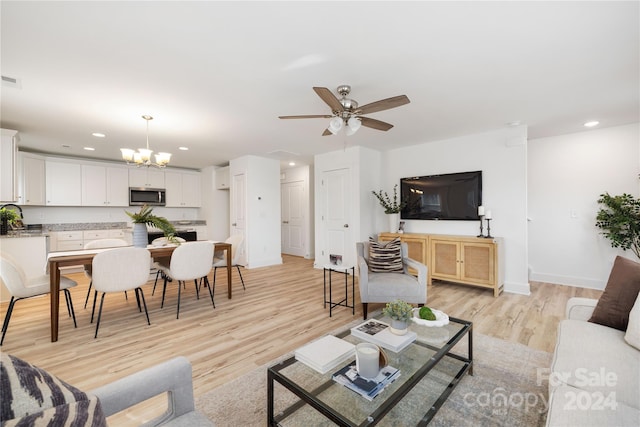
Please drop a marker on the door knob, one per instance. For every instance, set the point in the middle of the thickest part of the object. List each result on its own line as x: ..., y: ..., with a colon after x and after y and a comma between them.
x: 234, y: 224
x: 285, y: 222
x: 346, y: 226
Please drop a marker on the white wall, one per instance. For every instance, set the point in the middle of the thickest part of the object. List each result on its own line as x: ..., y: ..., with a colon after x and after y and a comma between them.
x: 566, y: 176
x: 502, y: 157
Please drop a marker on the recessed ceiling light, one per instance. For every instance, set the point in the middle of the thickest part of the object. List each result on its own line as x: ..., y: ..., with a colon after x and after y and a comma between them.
x: 292, y: 163
x: 591, y: 124
x: 89, y: 148
x: 183, y: 148
x: 98, y: 135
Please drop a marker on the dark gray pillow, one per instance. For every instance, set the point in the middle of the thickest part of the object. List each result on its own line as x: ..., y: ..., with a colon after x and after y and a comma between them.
x: 620, y: 294
x: 385, y: 257
x: 32, y: 396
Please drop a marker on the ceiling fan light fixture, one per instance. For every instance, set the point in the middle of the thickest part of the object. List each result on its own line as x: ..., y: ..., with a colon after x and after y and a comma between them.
x: 335, y: 125
x: 354, y: 123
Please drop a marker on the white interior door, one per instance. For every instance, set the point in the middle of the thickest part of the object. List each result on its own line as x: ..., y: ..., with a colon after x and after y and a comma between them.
x: 239, y: 212
x: 293, y: 214
x: 337, y: 215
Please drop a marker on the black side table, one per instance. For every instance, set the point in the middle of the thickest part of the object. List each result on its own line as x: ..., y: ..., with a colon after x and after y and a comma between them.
x: 344, y: 302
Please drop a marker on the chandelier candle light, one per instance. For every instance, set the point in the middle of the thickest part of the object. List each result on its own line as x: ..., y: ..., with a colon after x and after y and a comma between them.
x: 142, y: 157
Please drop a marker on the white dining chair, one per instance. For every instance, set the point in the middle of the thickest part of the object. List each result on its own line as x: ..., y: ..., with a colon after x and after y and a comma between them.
x: 220, y: 260
x: 121, y: 269
x: 99, y: 244
x: 189, y: 261
x: 20, y: 286
x: 156, y: 264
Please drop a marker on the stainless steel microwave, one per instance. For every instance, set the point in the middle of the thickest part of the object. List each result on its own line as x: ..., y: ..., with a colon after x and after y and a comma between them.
x: 139, y: 196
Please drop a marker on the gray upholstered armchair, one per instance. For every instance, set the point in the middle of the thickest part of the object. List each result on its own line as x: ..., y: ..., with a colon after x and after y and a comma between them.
x: 386, y: 287
x: 172, y: 378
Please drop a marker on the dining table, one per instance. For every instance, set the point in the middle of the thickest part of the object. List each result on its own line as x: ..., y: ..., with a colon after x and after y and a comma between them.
x: 56, y: 260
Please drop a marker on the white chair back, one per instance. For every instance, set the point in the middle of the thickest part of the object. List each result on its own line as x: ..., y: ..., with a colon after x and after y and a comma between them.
x: 105, y: 243
x: 162, y: 241
x: 13, y: 278
x: 121, y: 269
x: 235, y: 240
x: 191, y: 260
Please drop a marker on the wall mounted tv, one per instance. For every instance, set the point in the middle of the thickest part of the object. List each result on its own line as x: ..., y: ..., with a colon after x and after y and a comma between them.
x: 453, y: 196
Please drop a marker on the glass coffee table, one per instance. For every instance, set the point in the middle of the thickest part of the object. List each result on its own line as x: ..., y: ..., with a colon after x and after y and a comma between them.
x: 429, y: 371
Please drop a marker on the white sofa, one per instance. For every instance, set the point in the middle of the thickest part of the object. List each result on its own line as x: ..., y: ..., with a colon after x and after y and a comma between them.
x: 595, y: 373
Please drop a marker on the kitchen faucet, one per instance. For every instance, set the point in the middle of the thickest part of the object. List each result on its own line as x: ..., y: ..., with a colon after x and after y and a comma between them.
x: 15, y: 206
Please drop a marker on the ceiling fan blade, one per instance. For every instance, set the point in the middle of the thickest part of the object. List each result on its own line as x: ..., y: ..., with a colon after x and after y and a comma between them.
x: 384, y: 104
x: 329, y: 98
x: 375, y: 124
x: 326, y: 132
x: 311, y: 116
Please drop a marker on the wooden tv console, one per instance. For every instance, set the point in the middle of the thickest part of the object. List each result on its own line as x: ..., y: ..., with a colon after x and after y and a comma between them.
x: 469, y: 260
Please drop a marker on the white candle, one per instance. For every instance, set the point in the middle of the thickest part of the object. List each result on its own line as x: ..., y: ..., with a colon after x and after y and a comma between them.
x: 480, y: 210
x: 367, y: 360
x: 488, y: 215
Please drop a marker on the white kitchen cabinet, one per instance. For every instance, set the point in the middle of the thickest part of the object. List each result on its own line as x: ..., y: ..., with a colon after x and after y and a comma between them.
x: 222, y: 178
x: 146, y: 177
x: 8, y: 155
x: 66, y: 240
x: 31, y: 179
x: 105, y: 186
x: 75, y: 240
x: 63, y: 183
x: 183, y: 189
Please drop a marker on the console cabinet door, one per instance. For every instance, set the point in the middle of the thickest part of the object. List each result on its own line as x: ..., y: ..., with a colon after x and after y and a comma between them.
x: 478, y: 263
x: 445, y: 259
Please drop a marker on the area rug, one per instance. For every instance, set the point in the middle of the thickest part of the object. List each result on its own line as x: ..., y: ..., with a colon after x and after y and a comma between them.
x: 508, y: 388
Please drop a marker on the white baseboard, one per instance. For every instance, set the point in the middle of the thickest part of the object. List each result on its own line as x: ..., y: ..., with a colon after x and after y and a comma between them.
x: 264, y: 263
x: 579, y: 282
x: 517, y: 288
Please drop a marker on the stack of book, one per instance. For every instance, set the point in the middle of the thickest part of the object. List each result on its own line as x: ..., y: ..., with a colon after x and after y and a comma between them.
x: 325, y: 353
x: 380, y: 333
x: 367, y: 388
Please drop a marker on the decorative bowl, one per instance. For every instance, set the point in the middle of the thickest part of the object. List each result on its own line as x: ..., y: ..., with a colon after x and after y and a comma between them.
x: 441, y: 318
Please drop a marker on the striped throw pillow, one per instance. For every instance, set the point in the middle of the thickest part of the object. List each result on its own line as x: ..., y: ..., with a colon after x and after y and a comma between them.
x: 385, y: 257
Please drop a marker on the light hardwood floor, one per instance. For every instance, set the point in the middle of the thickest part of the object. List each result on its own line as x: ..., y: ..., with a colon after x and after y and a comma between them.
x: 281, y: 309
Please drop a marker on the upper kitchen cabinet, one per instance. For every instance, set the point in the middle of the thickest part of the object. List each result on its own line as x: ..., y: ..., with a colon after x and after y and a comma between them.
x: 31, y: 179
x: 183, y: 189
x: 8, y: 154
x: 222, y: 178
x: 146, y: 177
x: 105, y: 185
x: 63, y: 183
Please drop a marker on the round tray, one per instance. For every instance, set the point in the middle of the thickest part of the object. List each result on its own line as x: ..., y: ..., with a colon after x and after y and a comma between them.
x: 441, y: 318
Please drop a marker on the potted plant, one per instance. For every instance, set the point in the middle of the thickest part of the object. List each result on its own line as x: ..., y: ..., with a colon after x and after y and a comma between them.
x: 400, y: 313
x: 146, y: 217
x: 619, y: 218
x: 7, y: 217
x: 391, y: 207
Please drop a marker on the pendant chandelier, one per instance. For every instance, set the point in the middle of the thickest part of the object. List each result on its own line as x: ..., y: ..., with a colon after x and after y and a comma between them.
x: 142, y: 157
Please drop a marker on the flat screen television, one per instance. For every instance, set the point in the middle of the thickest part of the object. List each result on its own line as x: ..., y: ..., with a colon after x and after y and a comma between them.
x: 452, y: 196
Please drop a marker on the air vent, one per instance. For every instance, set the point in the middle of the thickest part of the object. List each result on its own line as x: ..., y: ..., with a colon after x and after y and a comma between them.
x: 11, y: 82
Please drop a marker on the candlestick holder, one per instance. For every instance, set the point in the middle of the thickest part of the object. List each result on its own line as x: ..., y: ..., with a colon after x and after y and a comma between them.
x: 481, y: 231
x: 488, y: 236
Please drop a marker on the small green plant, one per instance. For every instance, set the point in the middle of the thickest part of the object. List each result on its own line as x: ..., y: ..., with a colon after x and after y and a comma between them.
x: 390, y: 207
x: 145, y: 216
x: 9, y: 215
x: 398, y: 310
x: 426, y: 313
x: 619, y: 218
